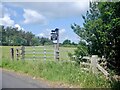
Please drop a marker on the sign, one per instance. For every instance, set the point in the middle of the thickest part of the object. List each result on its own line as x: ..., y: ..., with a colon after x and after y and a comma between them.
x: 54, y: 34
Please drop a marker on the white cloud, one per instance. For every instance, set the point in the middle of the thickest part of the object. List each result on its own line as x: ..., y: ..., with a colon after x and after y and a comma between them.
x: 5, y: 10
x: 62, y: 31
x: 31, y: 16
x: 5, y: 16
x: 56, y: 9
x: 18, y: 26
x: 41, y: 35
x: 6, y: 20
x: 66, y: 38
x: 10, y: 11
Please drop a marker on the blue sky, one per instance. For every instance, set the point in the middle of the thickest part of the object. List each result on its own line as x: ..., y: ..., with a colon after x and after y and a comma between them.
x: 41, y: 17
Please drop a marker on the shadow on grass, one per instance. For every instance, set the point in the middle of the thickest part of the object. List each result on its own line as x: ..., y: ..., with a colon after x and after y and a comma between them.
x: 115, y: 85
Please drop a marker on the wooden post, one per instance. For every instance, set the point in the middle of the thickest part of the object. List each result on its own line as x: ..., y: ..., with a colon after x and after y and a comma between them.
x: 12, y: 53
x: 57, y: 50
x: 57, y: 45
x: 105, y: 62
x: 33, y: 53
x: 57, y: 54
x: 55, y: 37
x: 94, y: 63
x: 23, y: 52
x: 17, y: 54
x: 44, y: 54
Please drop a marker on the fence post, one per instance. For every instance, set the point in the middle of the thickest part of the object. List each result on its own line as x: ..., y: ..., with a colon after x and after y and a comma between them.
x: 44, y: 54
x: 23, y: 52
x: 94, y: 63
x: 33, y: 53
x: 54, y: 51
x: 12, y: 53
x: 17, y: 54
x: 105, y: 62
x: 57, y: 54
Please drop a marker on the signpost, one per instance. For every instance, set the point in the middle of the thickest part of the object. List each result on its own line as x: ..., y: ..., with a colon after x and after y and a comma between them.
x: 55, y: 39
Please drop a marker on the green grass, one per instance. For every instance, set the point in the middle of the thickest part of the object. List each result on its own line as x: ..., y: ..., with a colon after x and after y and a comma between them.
x: 63, y: 52
x: 55, y: 71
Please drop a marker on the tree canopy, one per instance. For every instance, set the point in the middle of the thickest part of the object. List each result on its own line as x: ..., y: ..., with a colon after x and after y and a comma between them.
x: 67, y: 42
x: 13, y: 36
x: 101, y: 31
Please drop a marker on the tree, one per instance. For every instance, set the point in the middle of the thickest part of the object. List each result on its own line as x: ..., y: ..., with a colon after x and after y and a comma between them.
x: 13, y: 36
x: 66, y: 42
x: 82, y: 50
x: 46, y: 41
x: 101, y: 31
x: 29, y: 37
x: 110, y: 14
x: 35, y: 41
x: 1, y: 30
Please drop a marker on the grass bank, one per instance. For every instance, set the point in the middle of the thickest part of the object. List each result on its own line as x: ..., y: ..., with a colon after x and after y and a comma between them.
x: 55, y: 71
x: 62, y: 72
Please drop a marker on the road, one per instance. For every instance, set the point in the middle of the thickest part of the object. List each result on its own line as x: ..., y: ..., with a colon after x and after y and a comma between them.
x: 15, y: 80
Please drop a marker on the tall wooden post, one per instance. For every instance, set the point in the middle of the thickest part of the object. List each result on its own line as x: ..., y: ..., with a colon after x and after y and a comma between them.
x: 17, y: 54
x: 55, y: 37
x: 56, y: 52
x: 57, y: 45
x: 23, y: 52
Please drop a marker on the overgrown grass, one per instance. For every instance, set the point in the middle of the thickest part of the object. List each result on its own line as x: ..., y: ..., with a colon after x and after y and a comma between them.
x: 54, y: 71
x: 69, y: 73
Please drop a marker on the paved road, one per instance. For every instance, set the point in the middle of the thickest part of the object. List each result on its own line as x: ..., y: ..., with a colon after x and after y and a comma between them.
x: 14, y: 80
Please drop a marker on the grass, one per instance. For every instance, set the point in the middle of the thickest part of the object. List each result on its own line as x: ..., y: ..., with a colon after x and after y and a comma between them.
x: 62, y: 72
x: 49, y: 49
x: 66, y: 72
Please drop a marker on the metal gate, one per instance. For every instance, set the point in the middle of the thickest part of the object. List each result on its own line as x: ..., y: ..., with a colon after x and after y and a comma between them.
x: 39, y: 53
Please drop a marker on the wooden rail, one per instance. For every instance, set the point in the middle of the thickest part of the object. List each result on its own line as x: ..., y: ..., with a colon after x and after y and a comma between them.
x: 103, y: 70
x: 94, y: 65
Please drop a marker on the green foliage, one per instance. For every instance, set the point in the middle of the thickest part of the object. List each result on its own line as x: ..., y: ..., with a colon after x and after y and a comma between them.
x: 66, y: 42
x: 45, y: 41
x: 81, y: 51
x: 101, y: 31
x: 10, y: 36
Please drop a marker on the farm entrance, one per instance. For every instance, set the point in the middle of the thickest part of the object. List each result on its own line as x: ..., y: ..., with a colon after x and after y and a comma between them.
x: 45, y: 53
x: 40, y: 53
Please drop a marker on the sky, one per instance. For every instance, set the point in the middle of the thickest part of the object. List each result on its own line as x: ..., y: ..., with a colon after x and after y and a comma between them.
x: 40, y: 17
